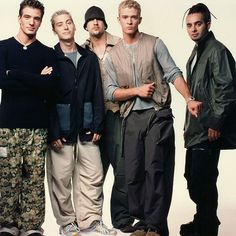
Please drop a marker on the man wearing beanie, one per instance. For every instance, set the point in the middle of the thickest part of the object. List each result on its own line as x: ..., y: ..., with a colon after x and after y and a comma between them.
x: 101, y: 42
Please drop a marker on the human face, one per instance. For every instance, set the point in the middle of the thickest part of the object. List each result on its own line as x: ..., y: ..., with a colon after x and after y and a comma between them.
x: 196, y: 27
x: 129, y: 19
x: 95, y: 27
x: 64, y: 27
x: 30, y: 21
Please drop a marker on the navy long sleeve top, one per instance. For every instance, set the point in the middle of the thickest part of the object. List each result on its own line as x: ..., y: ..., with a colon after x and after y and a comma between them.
x: 26, y: 94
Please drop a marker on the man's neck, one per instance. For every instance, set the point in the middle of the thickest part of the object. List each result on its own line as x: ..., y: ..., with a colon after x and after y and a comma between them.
x: 68, y: 47
x: 25, y: 39
x: 98, y: 42
x: 202, y: 39
x: 99, y: 45
x: 131, y: 38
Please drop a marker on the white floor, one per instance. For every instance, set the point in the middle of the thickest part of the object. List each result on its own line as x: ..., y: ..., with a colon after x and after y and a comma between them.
x: 182, y: 208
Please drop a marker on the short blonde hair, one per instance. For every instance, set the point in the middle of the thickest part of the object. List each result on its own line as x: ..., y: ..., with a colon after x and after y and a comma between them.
x: 58, y: 13
x: 129, y: 4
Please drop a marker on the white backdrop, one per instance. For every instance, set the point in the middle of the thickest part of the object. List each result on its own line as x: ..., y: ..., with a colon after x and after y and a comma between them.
x: 161, y: 18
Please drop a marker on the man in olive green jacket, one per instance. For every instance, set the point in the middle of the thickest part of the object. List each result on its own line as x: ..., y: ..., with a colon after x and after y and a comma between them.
x: 211, y: 78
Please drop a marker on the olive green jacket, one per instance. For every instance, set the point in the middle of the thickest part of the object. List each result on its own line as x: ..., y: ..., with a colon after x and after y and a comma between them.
x: 213, y: 82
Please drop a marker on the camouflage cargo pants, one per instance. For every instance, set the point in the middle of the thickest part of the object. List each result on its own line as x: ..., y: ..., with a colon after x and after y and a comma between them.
x: 22, y: 159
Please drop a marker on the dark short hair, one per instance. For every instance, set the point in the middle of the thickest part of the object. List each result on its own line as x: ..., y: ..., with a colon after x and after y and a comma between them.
x: 203, y: 9
x: 31, y: 3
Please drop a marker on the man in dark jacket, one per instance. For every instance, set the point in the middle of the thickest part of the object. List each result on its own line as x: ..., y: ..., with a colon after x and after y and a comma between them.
x: 211, y: 78
x: 74, y: 155
x: 28, y: 81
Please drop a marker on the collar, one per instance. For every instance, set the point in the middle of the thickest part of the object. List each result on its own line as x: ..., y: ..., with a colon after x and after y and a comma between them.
x: 59, y: 51
x: 203, y: 42
x: 111, y: 41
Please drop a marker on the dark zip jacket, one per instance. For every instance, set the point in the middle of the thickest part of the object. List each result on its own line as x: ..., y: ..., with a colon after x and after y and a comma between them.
x: 212, y: 81
x: 80, y: 106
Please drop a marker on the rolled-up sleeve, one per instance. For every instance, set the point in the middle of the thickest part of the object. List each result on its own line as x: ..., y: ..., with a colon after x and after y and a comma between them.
x: 110, y: 83
x: 171, y: 71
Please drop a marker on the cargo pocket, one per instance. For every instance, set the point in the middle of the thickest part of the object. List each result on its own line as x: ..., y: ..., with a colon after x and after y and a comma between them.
x: 88, y: 115
x: 63, y: 111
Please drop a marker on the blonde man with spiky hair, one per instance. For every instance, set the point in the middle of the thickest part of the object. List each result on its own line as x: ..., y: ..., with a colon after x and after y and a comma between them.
x: 139, y: 70
x: 75, y: 173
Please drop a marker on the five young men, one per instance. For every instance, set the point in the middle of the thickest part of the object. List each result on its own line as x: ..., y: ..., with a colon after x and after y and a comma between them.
x: 135, y: 125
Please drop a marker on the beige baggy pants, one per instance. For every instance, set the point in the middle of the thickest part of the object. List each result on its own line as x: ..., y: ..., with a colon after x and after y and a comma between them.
x: 75, y: 181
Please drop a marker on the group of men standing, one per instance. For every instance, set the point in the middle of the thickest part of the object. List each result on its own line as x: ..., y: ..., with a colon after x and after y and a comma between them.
x: 108, y: 102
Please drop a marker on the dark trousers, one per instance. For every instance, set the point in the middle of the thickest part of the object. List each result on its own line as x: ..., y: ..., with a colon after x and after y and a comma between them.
x: 201, y: 173
x: 149, y: 155
x: 110, y: 147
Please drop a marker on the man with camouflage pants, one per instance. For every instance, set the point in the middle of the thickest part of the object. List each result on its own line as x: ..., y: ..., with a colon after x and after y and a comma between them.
x: 27, y: 79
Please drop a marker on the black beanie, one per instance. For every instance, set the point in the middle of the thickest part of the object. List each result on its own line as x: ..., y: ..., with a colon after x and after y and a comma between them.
x: 94, y: 13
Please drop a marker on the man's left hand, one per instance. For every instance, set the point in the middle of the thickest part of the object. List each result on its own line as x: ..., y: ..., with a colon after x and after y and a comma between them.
x: 96, y: 137
x: 213, y: 135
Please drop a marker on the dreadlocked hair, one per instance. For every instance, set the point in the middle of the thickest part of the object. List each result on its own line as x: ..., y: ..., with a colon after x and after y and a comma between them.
x: 203, y: 9
x: 200, y: 8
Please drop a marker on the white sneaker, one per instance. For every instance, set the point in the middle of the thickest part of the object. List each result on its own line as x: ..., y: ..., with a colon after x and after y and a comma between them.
x: 12, y: 230
x: 100, y: 227
x: 69, y: 230
x: 32, y: 232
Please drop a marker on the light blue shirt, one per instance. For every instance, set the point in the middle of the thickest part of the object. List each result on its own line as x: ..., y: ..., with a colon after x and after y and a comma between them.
x: 170, y: 70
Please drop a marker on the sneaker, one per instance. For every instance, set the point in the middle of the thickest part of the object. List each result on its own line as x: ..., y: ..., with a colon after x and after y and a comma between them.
x: 6, y: 234
x: 100, y: 227
x: 12, y: 231
x: 139, y: 232
x: 69, y: 230
x: 152, y: 233
x: 188, y: 229
x: 141, y: 225
x: 128, y: 228
x: 32, y: 232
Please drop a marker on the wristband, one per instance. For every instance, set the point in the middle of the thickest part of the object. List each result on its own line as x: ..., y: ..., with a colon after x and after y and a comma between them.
x: 189, y: 100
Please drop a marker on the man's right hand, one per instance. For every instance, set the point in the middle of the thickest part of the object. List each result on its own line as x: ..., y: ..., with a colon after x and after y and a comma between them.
x: 194, y: 107
x: 146, y: 90
x: 58, y: 144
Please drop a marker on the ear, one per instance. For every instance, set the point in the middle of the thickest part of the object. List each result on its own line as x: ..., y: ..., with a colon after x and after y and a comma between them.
x: 140, y: 19
x: 118, y: 19
x: 40, y: 22
x: 19, y: 19
x: 208, y: 25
